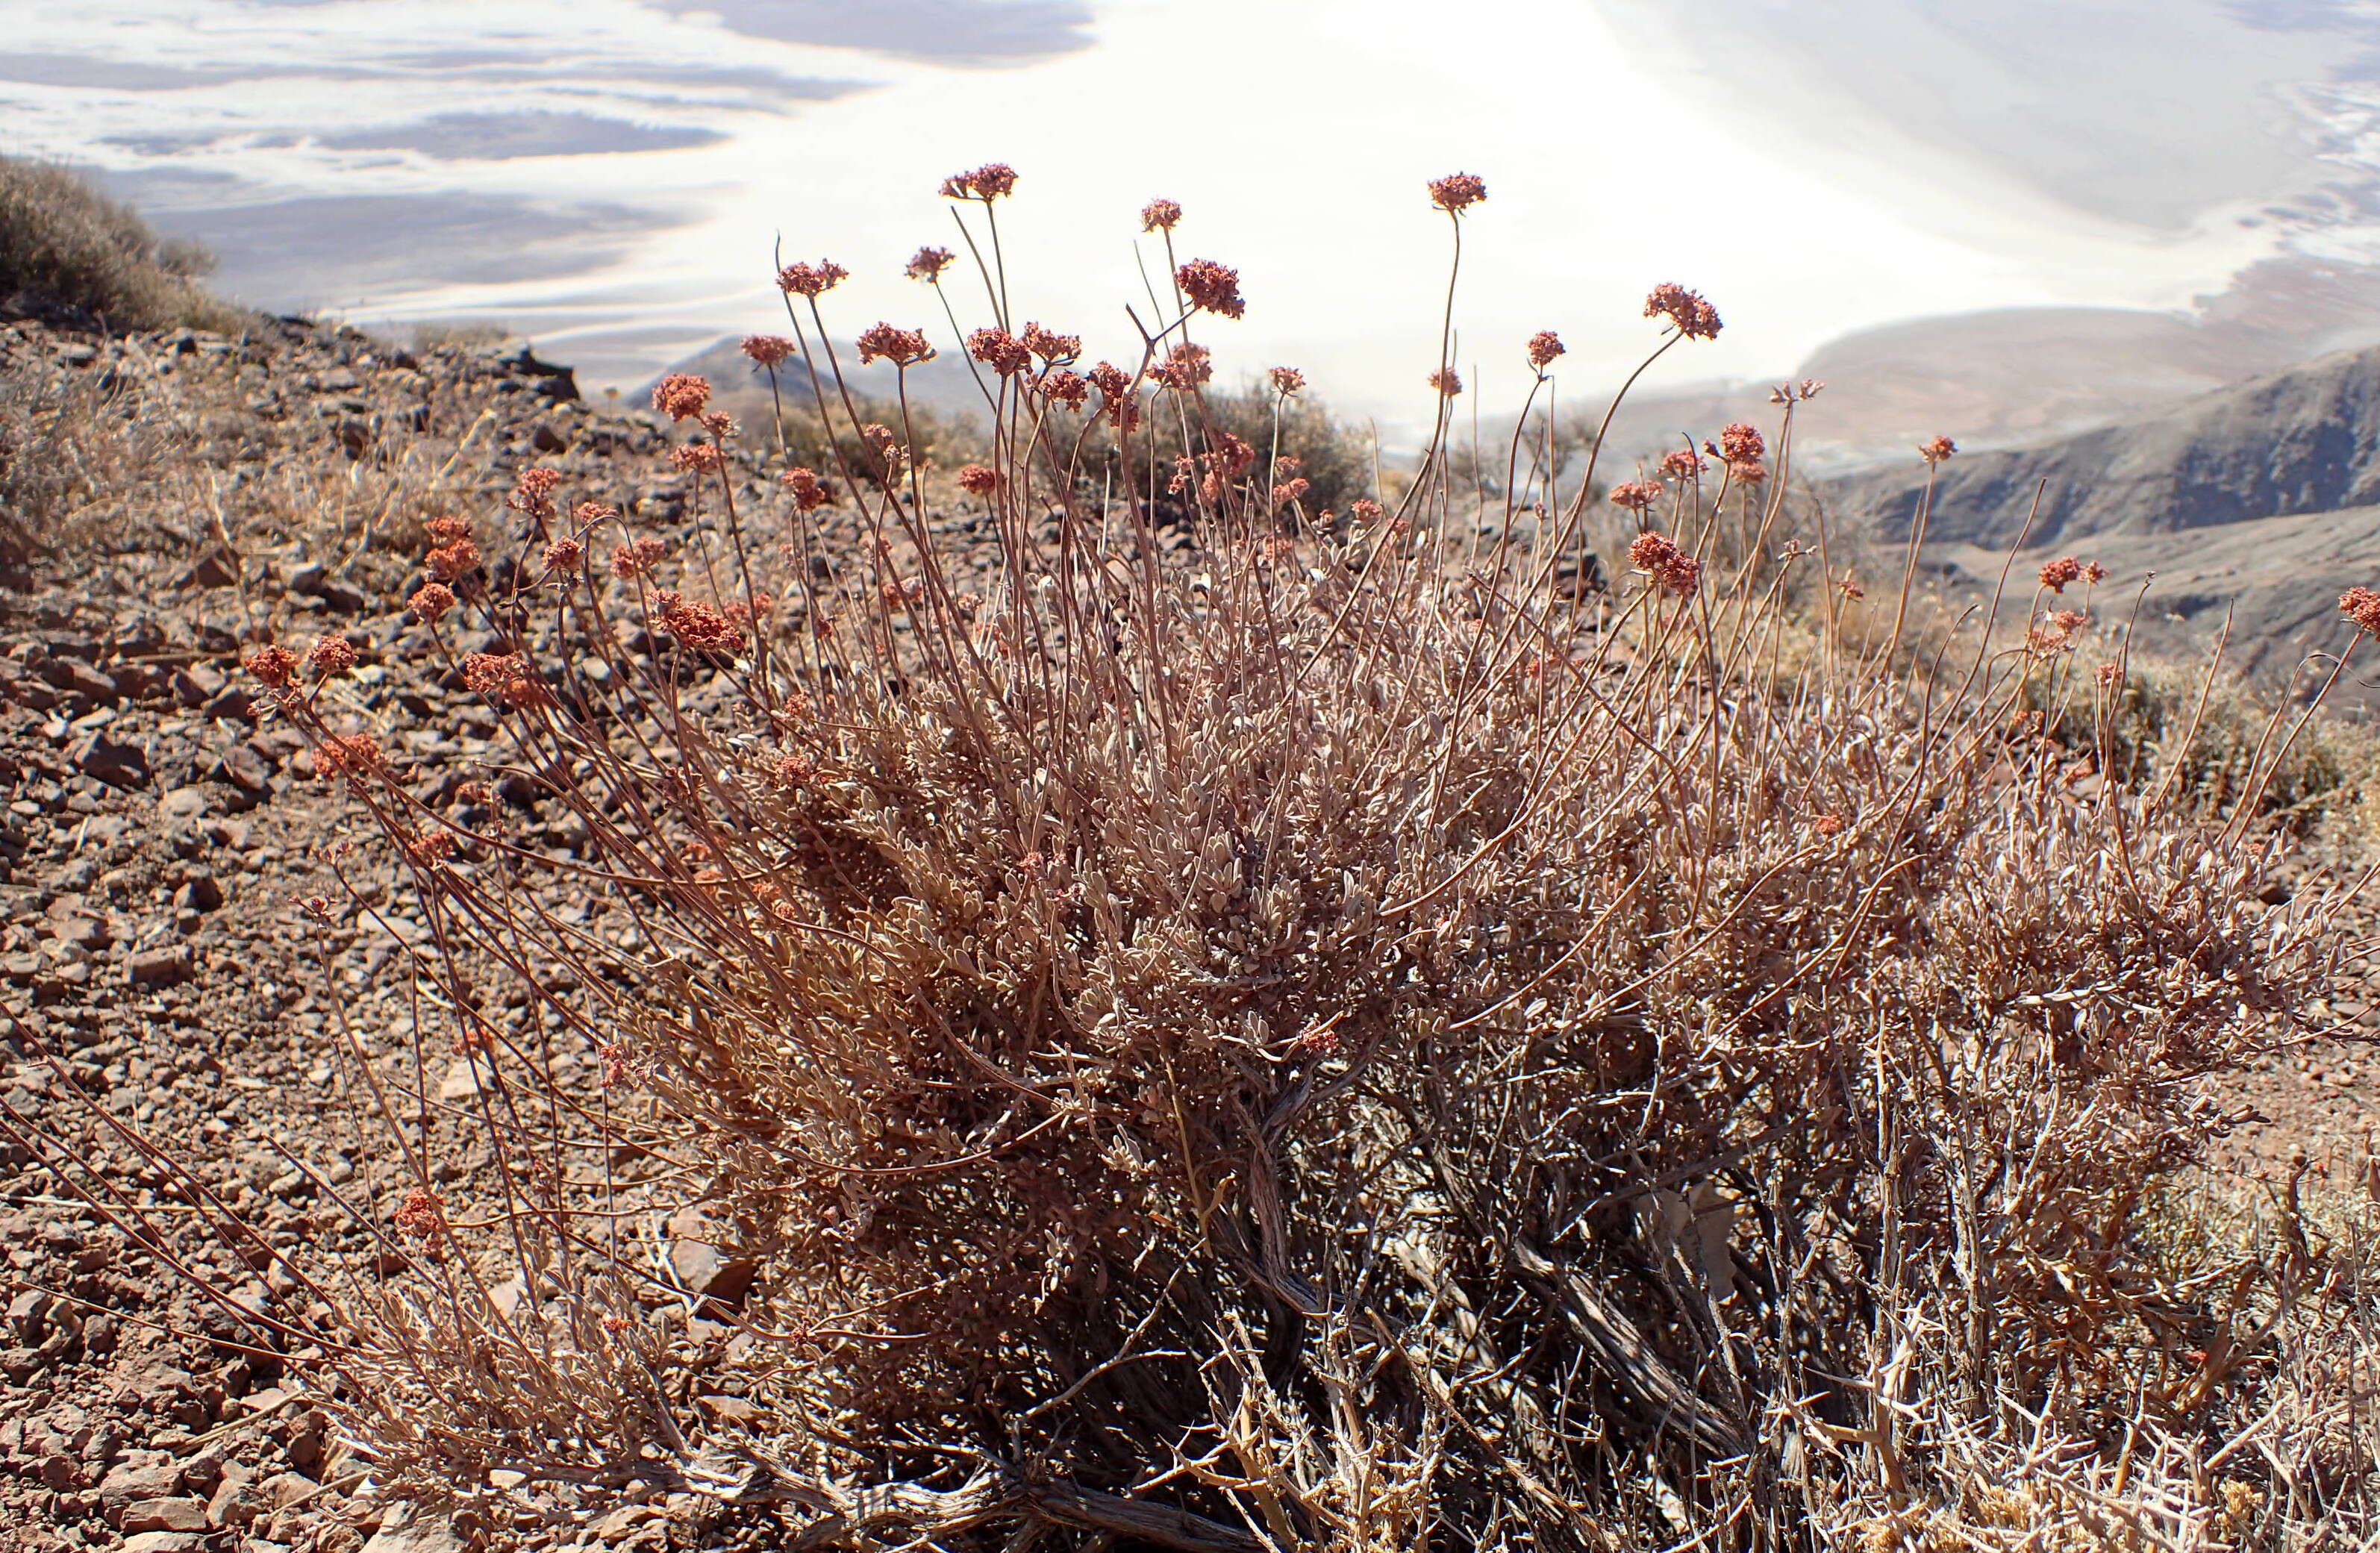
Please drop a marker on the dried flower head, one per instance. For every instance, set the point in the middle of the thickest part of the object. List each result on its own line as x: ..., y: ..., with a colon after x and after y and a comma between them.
x: 2362, y: 605
x: 718, y: 423
x: 589, y: 514
x: 446, y: 528
x: 700, y: 627
x: 1750, y: 472
x: 1211, y: 287
x: 2068, y: 621
x: 1185, y: 367
x: 451, y: 564
x: 683, y: 394
x: 1682, y: 464
x: 352, y: 756
x: 810, y: 280
x: 275, y: 666
x: 903, y: 347
x: 2110, y: 673
x: 1848, y: 589
x: 1658, y: 557
x: 927, y: 264
x: 636, y: 557
x: 1161, y: 215
x: 768, y: 349
x: 1636, y: 494
x: 1739, y: 443
x: 1692, y: 316
x: 2056, y: 574
x: 1288, y: 491
x: 977, y: 479
x: 1287, y: 379
x: 1828, y: 824
x: 330, y: 655
x: 999, y: 350
x: 429, y: 600
x: 533, y: 492
x: 1363, y: 509
x: 1937, y: 450
x: 1457, y: 192
x: 1067, y: 388
x: 427, y: 848
x: 808, y: 492
x: 1050, y: 346
x: 1544, y: 346
x: 987, y: 183
x: 421, y: 1214
x: 1447, y: 382
x: 2094, y: 572
x: 695, y: 456
x: 485, y: 673
x: 565, y: 555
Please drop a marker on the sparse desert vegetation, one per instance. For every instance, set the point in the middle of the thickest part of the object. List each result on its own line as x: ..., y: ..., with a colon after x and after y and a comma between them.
x: 1110, y: 978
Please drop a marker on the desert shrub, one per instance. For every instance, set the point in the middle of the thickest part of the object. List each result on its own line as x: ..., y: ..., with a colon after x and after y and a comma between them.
x: 1294, y: 1040
x: 1333, y: 458
x: 64, y: 245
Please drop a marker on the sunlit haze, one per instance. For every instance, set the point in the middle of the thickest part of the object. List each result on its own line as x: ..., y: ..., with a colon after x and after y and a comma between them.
x: 609, y: 177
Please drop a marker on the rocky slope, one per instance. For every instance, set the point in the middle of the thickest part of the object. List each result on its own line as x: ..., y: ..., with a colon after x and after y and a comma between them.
x: 2302, y: 440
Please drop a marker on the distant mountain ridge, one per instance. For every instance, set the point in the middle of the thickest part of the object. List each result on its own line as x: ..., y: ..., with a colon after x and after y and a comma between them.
x: 2305, y: 439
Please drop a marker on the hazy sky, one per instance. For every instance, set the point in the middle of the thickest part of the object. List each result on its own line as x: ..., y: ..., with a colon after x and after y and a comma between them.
x: 609, y: 176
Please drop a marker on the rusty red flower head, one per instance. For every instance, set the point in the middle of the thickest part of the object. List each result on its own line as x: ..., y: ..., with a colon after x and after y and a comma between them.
x: 636, y: 557
x: 430, y: 599
x: 276, y: 666
x: 700, y: 627
x: 2056, y: 574
x: 810, y: 280
x: 808, y: 492
x: 767, y: 349
x: 683, y: 394
x: 2358, y: 604
x: 1544, y: 346
x: 987, y: 183
x: 452, y: 562
x: 1457, y: 191
x: 1211, y: 287
x: 1658, y: 557
x: 999, y: 350
x: 353, y: 755
x: 1287, y: 379
x: 1937, y: 450
x: 1741, y: 442
x: 1050, y: 346
x: 1636, y: 494
x: 927, y: 264
x: 1682, y: 464
x: 903, y: 347
x: 1693, y: 317
x: 1185, y: 367
x: 1447, y: 382
x: 330, y: 655
x: 533, y: 489
x: 1161, y: 215
x: 977, y: 479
